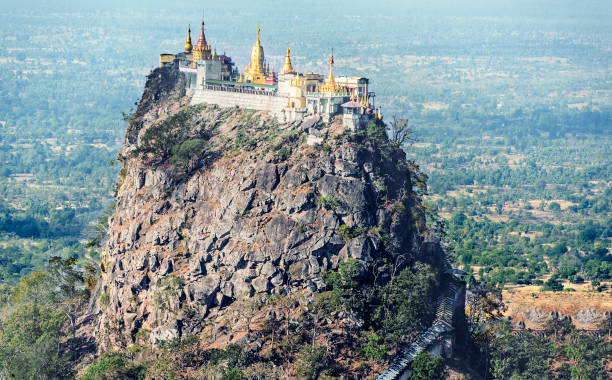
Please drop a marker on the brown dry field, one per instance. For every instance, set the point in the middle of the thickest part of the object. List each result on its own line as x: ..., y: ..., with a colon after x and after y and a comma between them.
x: 520, y: 298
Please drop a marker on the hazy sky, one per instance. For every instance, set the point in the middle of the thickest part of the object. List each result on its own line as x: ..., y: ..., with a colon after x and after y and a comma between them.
x: 499, y: 8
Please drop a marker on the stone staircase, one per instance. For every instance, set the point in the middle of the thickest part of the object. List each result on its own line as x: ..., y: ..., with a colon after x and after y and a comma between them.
x: 442, y: 326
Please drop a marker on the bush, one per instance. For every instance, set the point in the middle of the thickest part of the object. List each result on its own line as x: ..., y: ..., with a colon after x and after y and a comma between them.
x: 347, y: 277
x: 310, y: 361
x: 348, y: 233
x: 407, y: 302
x: 331, y: 202
x: 232, y: 355
x: 234, y: 373
x: 344, y: 231
x: 182, y: 153
x: 375, y: 349
x: 552, y: 284
x: 425, y: 367
x: 376, y: 129
x: 104, y: 298
x: 112, y: 365
x: 160, y: 139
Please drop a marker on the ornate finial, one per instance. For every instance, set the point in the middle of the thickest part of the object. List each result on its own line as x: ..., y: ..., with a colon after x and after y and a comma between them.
x: 287, y: 68
x: 258, y: 36
x: 202, y: 44
x: 188, y: 46
x: 330, y: 78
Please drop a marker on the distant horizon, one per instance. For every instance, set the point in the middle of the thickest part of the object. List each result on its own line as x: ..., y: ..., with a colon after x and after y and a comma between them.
x: 595, y: 9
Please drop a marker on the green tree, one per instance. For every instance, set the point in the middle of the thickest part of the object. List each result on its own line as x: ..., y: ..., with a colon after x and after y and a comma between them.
x: 375, y: 348
x: 407, y: 301
x: 526, y: 355
x: 32, y: 338
x: 112, y: 365
x: 426, y: 367
x: 310, y: 362
x: 552, y: 284
x: 30, y: 343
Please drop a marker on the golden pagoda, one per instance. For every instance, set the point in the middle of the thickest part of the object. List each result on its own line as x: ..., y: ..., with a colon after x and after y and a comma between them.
x: 330, y: 84
x: 201, y: 50
x: 287, y: 68
x: 188, y: 46
x: 330, y: 77
x: 255, y: 71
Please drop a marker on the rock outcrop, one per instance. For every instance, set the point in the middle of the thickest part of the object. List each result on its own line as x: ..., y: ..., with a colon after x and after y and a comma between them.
x: 218, y: 207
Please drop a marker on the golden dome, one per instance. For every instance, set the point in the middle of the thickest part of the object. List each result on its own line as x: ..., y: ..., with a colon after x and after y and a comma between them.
x: 287, y: 68
x: 188, y: 46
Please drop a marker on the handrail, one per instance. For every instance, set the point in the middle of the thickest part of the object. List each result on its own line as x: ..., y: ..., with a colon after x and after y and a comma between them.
x: 239, y: 90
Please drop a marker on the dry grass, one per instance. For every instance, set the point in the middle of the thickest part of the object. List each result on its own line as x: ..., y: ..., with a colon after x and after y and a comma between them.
x: 521, y: 298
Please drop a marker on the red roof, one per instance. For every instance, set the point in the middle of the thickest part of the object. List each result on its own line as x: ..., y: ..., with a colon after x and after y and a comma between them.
x: 201, y: 40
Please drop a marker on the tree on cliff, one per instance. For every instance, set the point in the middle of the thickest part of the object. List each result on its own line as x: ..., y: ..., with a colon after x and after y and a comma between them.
x: 39, y: 319
x: 30, y: 343
x: 400, y: 132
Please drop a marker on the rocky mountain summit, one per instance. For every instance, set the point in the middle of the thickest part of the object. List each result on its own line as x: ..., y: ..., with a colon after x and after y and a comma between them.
x: 235, y: 229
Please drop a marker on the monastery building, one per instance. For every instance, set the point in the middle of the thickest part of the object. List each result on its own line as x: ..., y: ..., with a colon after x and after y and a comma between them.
x: 288, y: 94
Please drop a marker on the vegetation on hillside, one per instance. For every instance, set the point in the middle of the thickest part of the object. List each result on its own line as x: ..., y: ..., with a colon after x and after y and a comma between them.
x: 39, y: 321
x: 513, y: 122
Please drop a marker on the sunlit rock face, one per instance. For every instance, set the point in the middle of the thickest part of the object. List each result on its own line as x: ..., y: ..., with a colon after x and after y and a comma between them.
x: 254, y: 210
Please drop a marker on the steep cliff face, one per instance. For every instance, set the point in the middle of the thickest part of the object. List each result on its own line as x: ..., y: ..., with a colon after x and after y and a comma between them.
x: 218, y: 210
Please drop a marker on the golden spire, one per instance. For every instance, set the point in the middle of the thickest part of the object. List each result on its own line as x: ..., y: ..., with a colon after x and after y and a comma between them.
x: 256, y: 69
x: 201, y: 44
x: 188, y: 46
x: 201, y: 50
x: 330, y: 77
x: 287, y: 68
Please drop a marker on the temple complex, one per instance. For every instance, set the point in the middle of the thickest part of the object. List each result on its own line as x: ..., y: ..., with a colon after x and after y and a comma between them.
x: 288, y: 94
